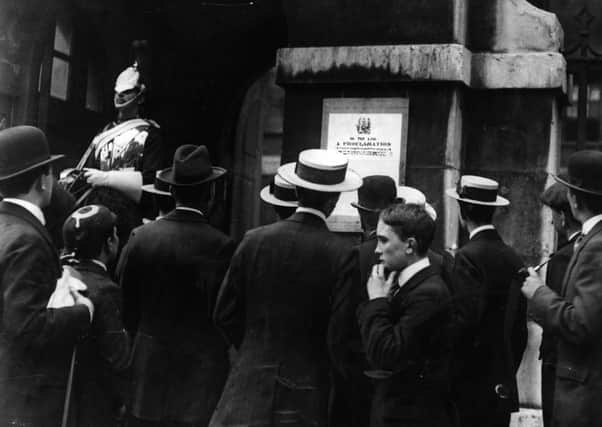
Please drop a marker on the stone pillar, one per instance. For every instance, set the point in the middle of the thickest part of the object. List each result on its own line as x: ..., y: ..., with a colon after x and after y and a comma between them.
x: 482, y: 80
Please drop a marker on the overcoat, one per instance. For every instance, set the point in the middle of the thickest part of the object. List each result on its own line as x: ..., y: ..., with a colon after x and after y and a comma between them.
x: 490, y: 330
x: 282, y: 304
x: 103, y: 356
x: 574, y: 317
x: 555, y: 271
x: 170, y: 272
x: 407, y: 335
x: 36, y: 343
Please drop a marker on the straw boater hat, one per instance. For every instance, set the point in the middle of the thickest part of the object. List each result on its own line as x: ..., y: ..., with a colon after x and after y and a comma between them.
x: 191, y: 167
x: 478, y: 191
x: 23, y: 148
x: 279, y: 193
x: 585, y: 172
x: 321, y: 170
x: 414, y: 196
x: 158, y: 187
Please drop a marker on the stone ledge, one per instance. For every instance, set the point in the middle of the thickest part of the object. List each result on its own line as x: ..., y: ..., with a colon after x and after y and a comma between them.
x: 432, y: 63
x: 518, y: 70
x: 429, y: 62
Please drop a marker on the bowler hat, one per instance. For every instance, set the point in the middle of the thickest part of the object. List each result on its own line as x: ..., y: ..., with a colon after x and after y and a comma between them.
x: 321, y: 170
x: 279, y: 193
x: 377, y: 192
x: 585, y: 172
x: 477, y: 190
x: 191, y: 166
x: 23, y: 148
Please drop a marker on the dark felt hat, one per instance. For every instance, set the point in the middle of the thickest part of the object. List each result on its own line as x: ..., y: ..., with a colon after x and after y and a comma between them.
x: 23, y: 148
x: 158, y: 187
x: 191, y: 166
x: 378, y: 192
x: 585, y: 172
x: 555, y: 197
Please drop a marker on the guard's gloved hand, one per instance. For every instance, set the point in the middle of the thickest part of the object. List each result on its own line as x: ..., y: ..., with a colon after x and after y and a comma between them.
x: 128, y: 182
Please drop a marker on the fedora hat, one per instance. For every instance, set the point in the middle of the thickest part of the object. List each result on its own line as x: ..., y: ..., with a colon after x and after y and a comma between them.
x: 279, y: 193
x: 321, y: 170
x: 478, y: 191
x: 584, y: 172
x: 191, y: 166
x: 158, y: 187
x: 23, y: 148
x: 377, y: 192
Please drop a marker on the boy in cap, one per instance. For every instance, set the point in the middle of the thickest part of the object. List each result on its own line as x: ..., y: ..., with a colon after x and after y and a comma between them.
x: 91, y: 241
x: 36, y: 341
x: 490, y: 330
x: 281, y: 300
x: 573, y: 315
x: 170, y: 272
x: 568, y: 230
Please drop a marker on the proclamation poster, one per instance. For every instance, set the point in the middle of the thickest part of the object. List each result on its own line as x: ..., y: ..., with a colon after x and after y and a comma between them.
x: 372, y: 133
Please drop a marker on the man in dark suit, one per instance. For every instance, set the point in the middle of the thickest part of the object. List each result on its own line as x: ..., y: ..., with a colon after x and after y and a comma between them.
x: 90, y: 236
x: 568, y: 229
x: 170, y: 273
x: 281, y: 303
x: 404, y: 325
x: 574, y: 315
x: 36, y: 342
x: 490, y: 330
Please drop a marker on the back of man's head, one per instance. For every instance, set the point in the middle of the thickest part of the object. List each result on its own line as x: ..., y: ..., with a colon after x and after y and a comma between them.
x: 322, y: 201
x: 555, y: 197
x: 408, y: 220
x: 23, y: 183
x: 478, y: 214
x: 86, y: 231
x: 587, y: 202
x: 194, y: 196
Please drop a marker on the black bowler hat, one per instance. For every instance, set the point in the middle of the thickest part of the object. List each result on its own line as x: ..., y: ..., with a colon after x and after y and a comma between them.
x: 191, y: 166
x: 585, y: 172
x: 23, y: 148
x: 377, y: 192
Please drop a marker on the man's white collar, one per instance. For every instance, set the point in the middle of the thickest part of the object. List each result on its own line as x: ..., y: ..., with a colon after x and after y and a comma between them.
x: 479, y: 229
x: 30, y: 207
x: 312, y: 211
x: 411, y: 270
x: 186, y: 208
x: 589, y: 224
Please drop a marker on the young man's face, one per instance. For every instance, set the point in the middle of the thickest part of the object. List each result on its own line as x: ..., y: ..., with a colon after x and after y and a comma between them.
x: 391, y: 250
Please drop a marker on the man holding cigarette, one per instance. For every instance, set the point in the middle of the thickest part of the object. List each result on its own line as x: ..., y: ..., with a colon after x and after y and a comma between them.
x: 574, y: 313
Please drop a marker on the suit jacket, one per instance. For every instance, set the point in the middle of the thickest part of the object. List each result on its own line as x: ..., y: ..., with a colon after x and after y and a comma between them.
x: 408, y: 335
x: 170, y: 272
x: 351, y: 406
x: 35, y: 342
x: 574, y: 317
x: 490, y: 330
x: 103, y: 357
x: 555, y: 272
x: 281, y: 302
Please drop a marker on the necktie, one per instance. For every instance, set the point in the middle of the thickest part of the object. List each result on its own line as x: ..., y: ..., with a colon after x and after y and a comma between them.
x: 395, y: 285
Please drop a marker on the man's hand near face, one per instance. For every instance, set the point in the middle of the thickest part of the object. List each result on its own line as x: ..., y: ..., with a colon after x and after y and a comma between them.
x: 378, y: 286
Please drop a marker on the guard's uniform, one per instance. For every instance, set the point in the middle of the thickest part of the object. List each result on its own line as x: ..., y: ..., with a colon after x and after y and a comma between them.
x: 132, y: 145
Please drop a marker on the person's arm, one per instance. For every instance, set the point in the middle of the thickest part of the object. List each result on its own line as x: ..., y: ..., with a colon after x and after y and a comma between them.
x: 153, y: 157
x: 128, y: 279
x: 229, y: 308
x: 113, y: 340
x: 391, y: 343
x: 469, y: 294
x: 28, y: 283
x: 579, y: 320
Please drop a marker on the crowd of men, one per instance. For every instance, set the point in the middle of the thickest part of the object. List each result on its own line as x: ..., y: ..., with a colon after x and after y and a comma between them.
x: 177, y: 325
